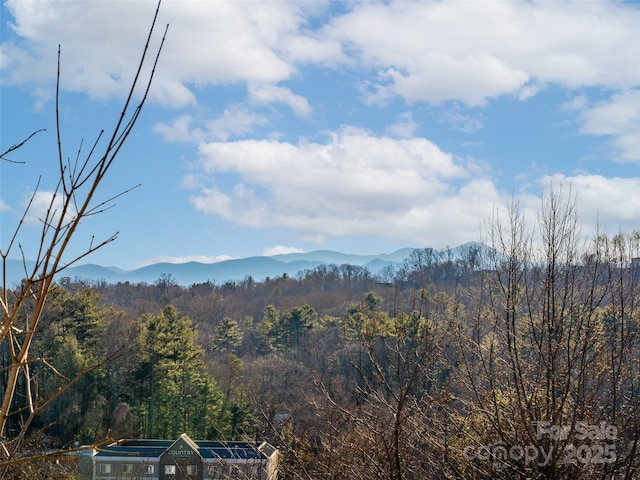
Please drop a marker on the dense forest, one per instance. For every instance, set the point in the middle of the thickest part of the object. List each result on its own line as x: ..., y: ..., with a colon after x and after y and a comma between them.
x: 517, y: 358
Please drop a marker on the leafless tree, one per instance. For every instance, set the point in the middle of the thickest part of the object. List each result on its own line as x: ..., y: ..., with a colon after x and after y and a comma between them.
x: 377, y: 404
x: 547, y: 344
x: 77, y: 197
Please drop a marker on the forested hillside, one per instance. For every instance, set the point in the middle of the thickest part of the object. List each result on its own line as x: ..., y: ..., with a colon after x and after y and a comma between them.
x: 518, y: 360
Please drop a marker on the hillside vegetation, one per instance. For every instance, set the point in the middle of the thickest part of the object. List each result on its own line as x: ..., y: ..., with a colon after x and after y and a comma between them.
x: 518, y: 360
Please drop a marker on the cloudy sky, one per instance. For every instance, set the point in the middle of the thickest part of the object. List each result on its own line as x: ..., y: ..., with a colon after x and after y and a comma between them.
x: 363, y: 127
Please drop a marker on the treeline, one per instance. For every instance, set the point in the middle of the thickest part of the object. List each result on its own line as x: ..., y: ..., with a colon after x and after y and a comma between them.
x: 515, y: 360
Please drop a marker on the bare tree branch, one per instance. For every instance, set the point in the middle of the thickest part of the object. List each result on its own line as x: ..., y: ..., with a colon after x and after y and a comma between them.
x: 73, y: 200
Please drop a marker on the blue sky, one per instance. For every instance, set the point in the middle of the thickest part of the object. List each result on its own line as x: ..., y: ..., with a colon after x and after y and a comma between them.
x: 363, y: 127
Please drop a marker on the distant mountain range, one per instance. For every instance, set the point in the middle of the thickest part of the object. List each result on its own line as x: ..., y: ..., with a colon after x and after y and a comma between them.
x: 259, y: 268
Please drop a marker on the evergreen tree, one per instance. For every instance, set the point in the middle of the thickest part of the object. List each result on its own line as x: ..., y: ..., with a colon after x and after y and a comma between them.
x: 284, y: 330
x: 177, y: 396
x: 294, y: 325
x: 228, y: 336
x: 269, y: 330
x: 73, y: 326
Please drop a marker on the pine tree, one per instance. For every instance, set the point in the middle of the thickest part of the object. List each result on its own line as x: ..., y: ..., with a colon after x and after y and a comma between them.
x: 177, y: 395
x: 228, y: 336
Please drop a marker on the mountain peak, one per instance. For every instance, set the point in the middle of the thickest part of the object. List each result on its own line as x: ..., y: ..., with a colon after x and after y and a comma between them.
x: 237, y: 269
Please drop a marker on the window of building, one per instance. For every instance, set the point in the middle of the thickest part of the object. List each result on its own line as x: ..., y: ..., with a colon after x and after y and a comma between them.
x: 192, y: 469
x: 170, y: 469
x: 148, y: 469
x: 126, y: 468
x: 216, y: 471
x: 105, y: 468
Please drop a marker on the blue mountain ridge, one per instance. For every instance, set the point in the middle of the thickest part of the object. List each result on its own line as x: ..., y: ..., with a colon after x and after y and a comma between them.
x: 259, y: 268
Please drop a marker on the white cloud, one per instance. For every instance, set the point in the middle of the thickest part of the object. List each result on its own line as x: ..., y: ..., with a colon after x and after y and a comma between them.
x: 602, y: 205
x: 440, y: 77
x: 265, y: 56
x: 42, y: 96
x: 473, y: 51
x: 171, y: 93
x: 313, y: 48
x: 208, y: 43
x: 355, y: 184
x: 529, y: 90
x: 266, y: 94
x: 236, y: 120
x: 613, y: 201
x: 45, y: 205
x: 3, y: 206
x: 577, y: 103
x: 280, y: 250
x: 618, y: 118
x: 426, y: 51
x: 461, y: 121
x: 180, y: 130
x: 404, y: 127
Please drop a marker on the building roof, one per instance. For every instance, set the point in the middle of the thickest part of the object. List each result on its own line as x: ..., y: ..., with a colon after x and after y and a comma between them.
x: 229, y: 450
